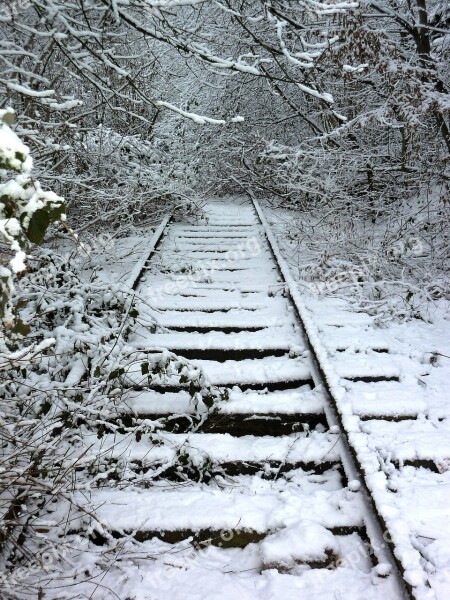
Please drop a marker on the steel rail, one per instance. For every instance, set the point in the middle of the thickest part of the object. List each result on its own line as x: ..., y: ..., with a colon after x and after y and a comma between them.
x: 376, y: 528
x: 136, y: 274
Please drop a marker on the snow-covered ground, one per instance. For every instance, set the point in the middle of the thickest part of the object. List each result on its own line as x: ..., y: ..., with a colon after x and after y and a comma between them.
x: 390, y: 384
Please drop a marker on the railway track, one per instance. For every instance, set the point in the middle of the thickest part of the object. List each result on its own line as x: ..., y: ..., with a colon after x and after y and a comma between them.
x: 271, y: 502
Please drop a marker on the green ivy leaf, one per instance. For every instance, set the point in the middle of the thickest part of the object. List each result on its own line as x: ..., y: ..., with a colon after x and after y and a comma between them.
x: 39, y: 222
x: 21, y: 328
x: 116, y: 373
x: 208, y: 401
x: 45, y: 407
x: 9, y: 206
